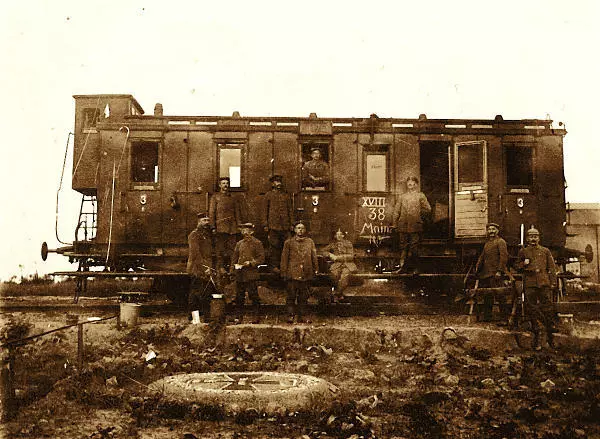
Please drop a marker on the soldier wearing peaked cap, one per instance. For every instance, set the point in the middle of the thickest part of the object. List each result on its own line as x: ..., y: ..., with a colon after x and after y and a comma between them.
x: 299, y: 265
x: 200, y: 266
x: 408, y: 214
x: 247, y: 256
x: 539, y: 277
x: 341, y: 252
x: 491, y: 266
x: 226, y: 213
x: 277, y: 218
x: 315, y: 172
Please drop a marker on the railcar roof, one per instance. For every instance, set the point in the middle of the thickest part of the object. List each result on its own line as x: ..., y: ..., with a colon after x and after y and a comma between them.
x: 117, y: 95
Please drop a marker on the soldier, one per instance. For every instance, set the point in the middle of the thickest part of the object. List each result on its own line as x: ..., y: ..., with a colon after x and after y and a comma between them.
x: 200, y: 267
x: 225, y: 211
x: 408, y: 213
x: 341, y: 252
x: 277, y: 218
x: 247, y: 256
x: 315, y: 172
x: 491, y: 266
x: 298, y: 266
x: 539, y: 277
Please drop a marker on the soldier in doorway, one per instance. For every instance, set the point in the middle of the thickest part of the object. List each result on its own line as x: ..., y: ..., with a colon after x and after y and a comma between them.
x: 409, y: 210
x: 277, y: 218
x: 315, y: 172
x: 299, y: 265
x: 200, y: 267
x: 247, y: 256
x: 539, y: 278
x: 491, y: 266
x: 225, y: 212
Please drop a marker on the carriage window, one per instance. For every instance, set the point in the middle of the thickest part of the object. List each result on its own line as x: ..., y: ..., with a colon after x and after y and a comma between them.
x: 471, y: 162
x: 519, y: 165
x: 375, y: 175
x: 315, y: 169
x: 144, y: 162
x: 230, y: 163
x: 91, y: 117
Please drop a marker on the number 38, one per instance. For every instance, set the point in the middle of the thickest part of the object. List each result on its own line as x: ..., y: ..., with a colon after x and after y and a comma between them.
x: 377, y: 213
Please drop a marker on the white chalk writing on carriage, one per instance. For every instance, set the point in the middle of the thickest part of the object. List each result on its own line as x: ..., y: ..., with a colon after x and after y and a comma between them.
x: 373, y: 202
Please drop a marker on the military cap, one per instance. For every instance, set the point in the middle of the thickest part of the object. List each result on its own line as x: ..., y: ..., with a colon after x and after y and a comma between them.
x: 276, y: 177
x: 533, y: 231
x: 493, y: 224
x: 246, y: 226
x: 316, y: 148
x: 202, y: 215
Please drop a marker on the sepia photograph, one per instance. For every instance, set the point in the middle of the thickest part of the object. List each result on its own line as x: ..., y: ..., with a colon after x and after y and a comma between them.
x: 315, y: 220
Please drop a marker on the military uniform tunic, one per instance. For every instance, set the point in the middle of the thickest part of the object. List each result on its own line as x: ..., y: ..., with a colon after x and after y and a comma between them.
x: 200, y: 259
x: 493, y: 258
x: 541, y: 269
x: 251, y: 250
x: 277, y: 211
x: 408, y: 211
x: 344, y: 265
x: 315, y: 173
x: 539, y: 275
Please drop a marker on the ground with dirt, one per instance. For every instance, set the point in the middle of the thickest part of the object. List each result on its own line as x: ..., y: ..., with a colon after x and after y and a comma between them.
x: 397, y: 377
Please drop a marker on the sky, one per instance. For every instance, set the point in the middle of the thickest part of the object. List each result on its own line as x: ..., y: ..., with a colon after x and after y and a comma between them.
x: 459, y: 59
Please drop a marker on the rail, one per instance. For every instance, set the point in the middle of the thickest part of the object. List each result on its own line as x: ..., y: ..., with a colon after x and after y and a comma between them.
x: 32, y: 337
x: 7, y: 366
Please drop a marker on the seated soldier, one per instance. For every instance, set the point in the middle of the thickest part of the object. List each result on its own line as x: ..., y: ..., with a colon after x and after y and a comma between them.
x: 341, y: 253
x: 247, y: 256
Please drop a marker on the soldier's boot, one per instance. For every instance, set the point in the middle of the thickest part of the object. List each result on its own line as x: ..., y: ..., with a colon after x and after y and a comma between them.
x: 291, y: 312
x: 256, y: 312
x: 302, y: 310
x: 238, y: 316
x: 535, y: 342
x: 550, y: 331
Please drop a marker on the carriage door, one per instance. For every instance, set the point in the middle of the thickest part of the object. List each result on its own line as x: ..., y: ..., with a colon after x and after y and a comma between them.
x: 470, y: 189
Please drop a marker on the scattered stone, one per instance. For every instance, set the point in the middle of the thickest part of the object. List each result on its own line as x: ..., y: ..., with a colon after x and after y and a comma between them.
x: 112, y: 382
x: 151, y: 355
x: 547, y: 385
x: 450, y: 380
x: 362, y: 374
x: 488, y: 382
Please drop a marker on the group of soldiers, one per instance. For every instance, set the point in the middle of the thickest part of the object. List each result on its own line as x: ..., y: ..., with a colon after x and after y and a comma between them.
x: 537, y: 266
x: 294, y: 256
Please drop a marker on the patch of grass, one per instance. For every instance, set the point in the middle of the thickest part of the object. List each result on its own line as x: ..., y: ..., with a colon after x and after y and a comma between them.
x: 45, y: 286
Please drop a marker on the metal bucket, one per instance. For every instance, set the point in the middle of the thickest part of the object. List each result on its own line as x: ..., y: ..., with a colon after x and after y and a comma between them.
x: 129, y: 314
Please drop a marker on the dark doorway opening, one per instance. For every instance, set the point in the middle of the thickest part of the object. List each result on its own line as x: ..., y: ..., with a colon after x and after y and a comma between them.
x: 435, y: 175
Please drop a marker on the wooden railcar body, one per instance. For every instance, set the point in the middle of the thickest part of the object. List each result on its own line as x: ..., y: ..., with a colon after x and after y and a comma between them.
x: 149, y: 175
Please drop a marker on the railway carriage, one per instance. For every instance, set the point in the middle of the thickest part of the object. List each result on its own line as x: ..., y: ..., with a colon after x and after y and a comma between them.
x: 143, y: 178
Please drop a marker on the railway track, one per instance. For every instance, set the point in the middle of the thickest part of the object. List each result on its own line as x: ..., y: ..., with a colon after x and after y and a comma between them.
x: 356, y: 306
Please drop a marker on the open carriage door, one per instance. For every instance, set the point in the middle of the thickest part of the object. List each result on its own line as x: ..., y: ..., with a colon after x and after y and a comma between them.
x: 470, y: 189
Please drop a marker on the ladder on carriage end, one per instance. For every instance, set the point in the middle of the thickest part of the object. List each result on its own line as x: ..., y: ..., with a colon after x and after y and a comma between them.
x: 88, y: 218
